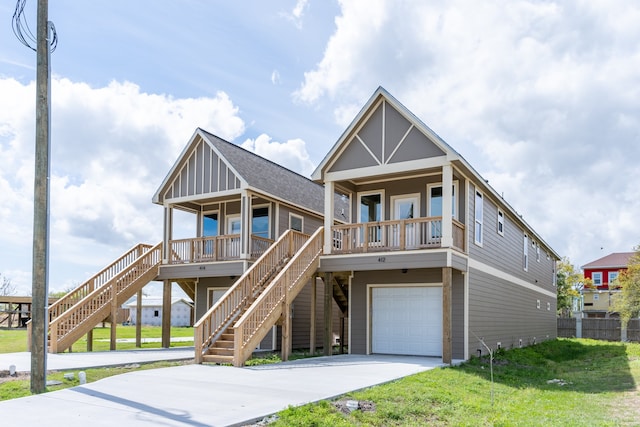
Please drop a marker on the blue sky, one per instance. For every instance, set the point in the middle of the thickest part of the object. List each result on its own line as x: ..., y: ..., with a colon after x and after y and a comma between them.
x: 541, y: 97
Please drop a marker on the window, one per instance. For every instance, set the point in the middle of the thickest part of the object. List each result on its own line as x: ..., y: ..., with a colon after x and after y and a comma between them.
x: 434, y: 192
x: 371, y: 207
x: 538, y: 252
x: 156, y: 313
x: 500, y: 222
x: 548, y: 306
x: 538, y: 304
x: 295, y: 222
x: 613, y: 275
x: 596, y: 276
x: 526, y: 253
x: 479, y: 212
x: 260, y: 222
x: 554, y: 277
x: 210, y: 224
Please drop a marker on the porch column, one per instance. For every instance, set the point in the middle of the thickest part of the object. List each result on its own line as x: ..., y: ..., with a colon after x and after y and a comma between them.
x: 245, y: 225
x: 286, y: 331
x: 168, y: 233
x: 314, y: 299
x: 446, y: 240
x: 446, y: 315
x: 166, y: 314
x: 329, y: 190
x: 328, y: 315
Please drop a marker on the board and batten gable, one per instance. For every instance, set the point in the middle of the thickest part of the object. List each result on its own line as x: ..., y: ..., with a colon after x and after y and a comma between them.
x: 385, y: 137
x: 202, y: 172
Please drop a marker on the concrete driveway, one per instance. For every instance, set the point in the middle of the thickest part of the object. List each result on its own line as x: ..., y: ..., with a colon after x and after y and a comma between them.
x: 210, y: 395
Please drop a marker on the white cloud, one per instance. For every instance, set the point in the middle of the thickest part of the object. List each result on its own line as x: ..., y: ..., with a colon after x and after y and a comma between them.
x: 110, y: 149
x: 297, y: 14
x: 291, y: 154
x: 540, y: 97
x: 275, y: 77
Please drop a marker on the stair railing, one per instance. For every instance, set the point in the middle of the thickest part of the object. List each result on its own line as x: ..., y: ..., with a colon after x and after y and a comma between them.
x: 220, y: 316
x: 265, y: 311
x: 98, y: 280
x: 95, y: 305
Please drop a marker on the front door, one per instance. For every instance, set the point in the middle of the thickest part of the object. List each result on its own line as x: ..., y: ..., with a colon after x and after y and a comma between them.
x: 232, y: 246
x: 404, y: 208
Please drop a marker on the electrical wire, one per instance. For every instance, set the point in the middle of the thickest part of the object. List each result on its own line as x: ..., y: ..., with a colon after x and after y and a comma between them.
x: 23, y: 32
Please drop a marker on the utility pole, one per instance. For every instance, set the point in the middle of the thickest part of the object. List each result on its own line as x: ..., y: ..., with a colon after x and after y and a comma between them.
x: 40, y: 277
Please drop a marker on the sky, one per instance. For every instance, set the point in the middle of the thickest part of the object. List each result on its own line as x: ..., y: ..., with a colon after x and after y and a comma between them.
x: 542, y: 98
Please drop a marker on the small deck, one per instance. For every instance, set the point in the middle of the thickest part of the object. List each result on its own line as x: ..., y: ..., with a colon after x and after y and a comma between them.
x: 214, y: 249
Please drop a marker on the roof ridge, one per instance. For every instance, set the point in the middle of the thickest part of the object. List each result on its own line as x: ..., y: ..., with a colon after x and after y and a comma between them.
x: 259, y: 156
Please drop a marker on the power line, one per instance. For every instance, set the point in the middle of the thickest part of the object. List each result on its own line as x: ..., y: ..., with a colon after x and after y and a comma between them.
x: 23, y: 32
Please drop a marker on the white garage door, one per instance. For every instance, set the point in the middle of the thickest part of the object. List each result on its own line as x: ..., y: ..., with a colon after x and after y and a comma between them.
x: 406, y: 320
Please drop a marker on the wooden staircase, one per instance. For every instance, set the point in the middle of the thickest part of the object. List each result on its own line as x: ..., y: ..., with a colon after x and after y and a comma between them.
x: 235, y: 325
x: 78, y: 312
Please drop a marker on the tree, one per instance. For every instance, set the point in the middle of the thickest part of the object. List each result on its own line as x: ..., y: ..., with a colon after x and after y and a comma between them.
x: 627, y: 302
x: 568, y: 283
x: 6, y: 287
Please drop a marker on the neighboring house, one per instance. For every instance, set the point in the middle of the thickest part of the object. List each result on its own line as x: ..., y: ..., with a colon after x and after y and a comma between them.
x: 181, y: 311
x: 603, y: 273
x: 241, y: 204
x: 434, y: 258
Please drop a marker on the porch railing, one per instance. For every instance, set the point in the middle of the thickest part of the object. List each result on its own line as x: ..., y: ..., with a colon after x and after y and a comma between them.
x: 396, y: 235
x: 213, y: 248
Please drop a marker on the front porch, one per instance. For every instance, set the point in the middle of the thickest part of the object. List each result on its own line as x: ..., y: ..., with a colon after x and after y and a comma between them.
x: 214, y: 249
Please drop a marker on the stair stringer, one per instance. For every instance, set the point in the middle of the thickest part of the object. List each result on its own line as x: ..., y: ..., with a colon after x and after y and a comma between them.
x: 269, y: 307
x: 83, y: 316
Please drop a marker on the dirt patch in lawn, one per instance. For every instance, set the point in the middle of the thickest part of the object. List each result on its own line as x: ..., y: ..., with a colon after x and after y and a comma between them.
x: 6, y: 376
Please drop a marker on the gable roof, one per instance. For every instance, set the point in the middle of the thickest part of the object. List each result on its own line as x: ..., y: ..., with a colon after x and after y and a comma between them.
x: 614, y: 260
x: 228, y: 166
x: 368, y: 112
x: 418, y: 133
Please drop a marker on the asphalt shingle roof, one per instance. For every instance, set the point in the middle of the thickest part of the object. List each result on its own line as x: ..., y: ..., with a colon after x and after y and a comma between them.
x: 614, y: 260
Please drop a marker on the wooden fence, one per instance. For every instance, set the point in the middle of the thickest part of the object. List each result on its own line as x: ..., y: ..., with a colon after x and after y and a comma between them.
x: 598, y: 329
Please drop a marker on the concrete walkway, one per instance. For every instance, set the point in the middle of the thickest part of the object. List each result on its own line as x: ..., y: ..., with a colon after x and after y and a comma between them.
x: 210, y: 395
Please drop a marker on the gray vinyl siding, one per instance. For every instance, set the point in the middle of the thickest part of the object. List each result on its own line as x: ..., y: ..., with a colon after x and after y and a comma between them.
x: 457, y: 315
x: 201, y: 292
x: 201, y: 270
x: 506, y: 252
x: 310, y: 223
x: 385, y: 261
x: 390, y: 137
x: 500, y: 311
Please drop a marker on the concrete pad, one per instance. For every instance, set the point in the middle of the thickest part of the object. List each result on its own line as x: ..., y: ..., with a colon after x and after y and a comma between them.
x: 210, y: 395
x: 95, y: 359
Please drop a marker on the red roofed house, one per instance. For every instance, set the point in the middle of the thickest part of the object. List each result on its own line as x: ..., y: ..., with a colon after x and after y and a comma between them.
x: 603, y: 272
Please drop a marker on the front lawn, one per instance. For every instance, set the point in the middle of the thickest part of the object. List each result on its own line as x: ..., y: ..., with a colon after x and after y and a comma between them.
x: 15, y: 340
x: 567, y: 382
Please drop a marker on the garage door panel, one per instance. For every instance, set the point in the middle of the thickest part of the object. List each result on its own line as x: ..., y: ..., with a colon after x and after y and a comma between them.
x: 407, y: 320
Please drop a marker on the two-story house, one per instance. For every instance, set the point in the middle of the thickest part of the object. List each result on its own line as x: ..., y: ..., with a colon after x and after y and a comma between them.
x: 603, y: 273
x: 399, y: 246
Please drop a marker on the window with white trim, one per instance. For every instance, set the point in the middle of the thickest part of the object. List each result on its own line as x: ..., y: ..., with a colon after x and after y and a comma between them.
x: 538, y: 252
x: 613, y: 275
x: 548, y: 306
x: 479, y: 218
x: 500, y: 225
x: 596, y: 277
x: 538, y: 304
x: 526, y: 252
x: 296, y: 222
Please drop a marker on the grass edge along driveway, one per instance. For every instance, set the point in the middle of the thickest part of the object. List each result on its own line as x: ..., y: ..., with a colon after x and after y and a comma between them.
x: 566, y: 382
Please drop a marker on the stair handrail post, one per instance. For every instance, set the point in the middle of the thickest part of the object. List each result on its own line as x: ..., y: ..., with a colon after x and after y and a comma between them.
x: 53, y: 337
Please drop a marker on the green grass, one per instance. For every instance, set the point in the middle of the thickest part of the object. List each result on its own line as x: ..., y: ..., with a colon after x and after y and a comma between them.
x: 15, y: 340
x: 21, y: 387
x: 600, y: 390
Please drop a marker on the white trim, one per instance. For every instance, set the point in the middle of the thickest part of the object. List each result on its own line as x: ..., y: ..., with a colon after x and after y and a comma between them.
x: 525, y: 252
x: 415, y: 197
x: 390, y: 168
x: 399, y: 143
x: 261, y: 206
x: 500, y: 222
x: 465, y: 275
x: 599, y: 273
x: 205, y: 213
x: 367, y: 148
x: 227, y: 222
x: 477, y: 241
x: 366, y: 193
x: 508, y: 277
